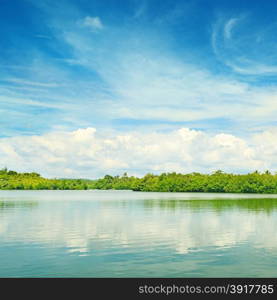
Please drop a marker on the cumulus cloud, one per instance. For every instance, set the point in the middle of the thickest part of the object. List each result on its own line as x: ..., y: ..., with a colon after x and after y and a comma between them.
x: 88, y: 153
x: 93, y: 23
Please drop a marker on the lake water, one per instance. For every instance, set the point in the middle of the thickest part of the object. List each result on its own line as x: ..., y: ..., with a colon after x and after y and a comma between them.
x: 135, y: 234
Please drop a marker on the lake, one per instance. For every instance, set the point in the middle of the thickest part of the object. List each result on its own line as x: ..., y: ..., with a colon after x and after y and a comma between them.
x: 136, y: 234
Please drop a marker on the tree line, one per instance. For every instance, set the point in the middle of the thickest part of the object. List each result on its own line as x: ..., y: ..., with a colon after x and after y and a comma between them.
x: 217, y: 182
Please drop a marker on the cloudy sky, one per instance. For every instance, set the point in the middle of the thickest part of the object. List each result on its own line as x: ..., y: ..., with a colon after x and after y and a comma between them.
x: 92, y: 87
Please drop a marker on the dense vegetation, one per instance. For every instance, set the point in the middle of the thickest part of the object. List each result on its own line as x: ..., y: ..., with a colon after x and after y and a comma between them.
x: 11, y: 180
x: 218, y: 181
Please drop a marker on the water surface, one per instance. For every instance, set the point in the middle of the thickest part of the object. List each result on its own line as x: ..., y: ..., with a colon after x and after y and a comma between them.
x: 135, y: 234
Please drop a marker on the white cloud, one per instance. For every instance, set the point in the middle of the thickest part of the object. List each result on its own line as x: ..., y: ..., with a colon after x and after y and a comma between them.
x: 146, y: 85
x: 229, y: 27
x: 94, y: 23
x: 140, y: 79
x: 87, y: 153
x: 244, y: 52
x: 32, y: 83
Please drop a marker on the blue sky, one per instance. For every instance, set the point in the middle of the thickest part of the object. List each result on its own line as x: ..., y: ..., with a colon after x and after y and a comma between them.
x: 137, y: 66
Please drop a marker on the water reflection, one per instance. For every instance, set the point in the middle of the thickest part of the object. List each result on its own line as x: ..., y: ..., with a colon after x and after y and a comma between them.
x: 7, y: 204
x: 138, y: 235
x: 258, y: 205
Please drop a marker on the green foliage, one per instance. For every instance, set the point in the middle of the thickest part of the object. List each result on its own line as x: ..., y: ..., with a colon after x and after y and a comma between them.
x: 11, y: 180
x: 217, y: 182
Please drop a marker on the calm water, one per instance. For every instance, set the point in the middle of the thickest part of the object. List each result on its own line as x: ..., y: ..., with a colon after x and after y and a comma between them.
x: 132, y: 234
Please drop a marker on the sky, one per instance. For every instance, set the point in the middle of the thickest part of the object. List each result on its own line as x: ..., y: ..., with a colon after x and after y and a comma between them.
x: 93, y: 87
